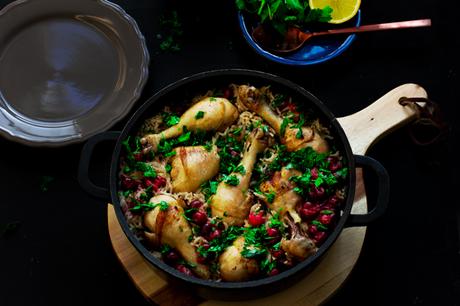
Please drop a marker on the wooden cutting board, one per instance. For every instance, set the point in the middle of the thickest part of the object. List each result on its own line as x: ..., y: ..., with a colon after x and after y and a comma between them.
x: 362, y: 129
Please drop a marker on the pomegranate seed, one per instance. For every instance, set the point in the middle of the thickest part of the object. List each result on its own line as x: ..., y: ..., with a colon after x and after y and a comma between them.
x: 274, y: 271
x: 221, y: 225
x: 333, y: 201
x: 227, y: 93
x: 206, y: 245
x: 325, y: 219
x: 171, y: 257
x: 308, y: 213
x: 312, y: 230
x: 288, y: 263
x: 317, y: 192
x: 199, y: 217
x: 138, y: 156
x: 215, y: 234
x: 184, y: 269
x: 206, y: 229
x: 200, y: 259
x: 148, y: 182
x: 160, y: 181
x: 277, y: 254
x: 272, y: 232
x: 196, y: 204
x: 319, y: 237
x: 335, y: 165
x: 128, y: 183
x: 256, y: 219
x: 234, y: 153
x: 314, y: 173
x: 292, y: 107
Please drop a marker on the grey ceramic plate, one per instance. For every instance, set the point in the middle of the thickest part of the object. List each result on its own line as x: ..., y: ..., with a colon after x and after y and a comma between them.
x: 68, y: 69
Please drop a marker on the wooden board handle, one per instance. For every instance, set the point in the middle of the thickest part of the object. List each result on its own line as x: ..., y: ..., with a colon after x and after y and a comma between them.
x: 381, y: 117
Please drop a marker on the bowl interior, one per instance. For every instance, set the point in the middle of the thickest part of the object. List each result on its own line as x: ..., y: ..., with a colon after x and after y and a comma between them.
x: 314, y: 51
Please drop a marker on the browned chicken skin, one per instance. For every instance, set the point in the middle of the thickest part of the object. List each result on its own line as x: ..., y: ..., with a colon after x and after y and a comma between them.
x: 258, y: 101
x: 192, y: 166
x: 286, y: 199
x: 233, y: 266
x: 170, y: 227
x: 232, y: 203
x: 218, y: 114
x: 299, y: 245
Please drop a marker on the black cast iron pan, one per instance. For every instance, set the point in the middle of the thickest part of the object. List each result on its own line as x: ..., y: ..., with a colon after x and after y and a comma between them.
x: 184, y: 90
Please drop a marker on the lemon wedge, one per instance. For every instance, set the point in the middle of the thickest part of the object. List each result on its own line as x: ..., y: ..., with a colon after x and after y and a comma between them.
x: 342, y: 10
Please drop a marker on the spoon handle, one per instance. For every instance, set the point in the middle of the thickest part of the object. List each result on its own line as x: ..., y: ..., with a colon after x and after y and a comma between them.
x: 379, y: 27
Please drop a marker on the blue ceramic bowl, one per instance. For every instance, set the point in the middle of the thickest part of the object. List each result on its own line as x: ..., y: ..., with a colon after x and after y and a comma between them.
x: 314, y: 51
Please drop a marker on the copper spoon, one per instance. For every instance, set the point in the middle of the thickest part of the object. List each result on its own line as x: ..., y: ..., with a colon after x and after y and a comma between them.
x: 295, y: 37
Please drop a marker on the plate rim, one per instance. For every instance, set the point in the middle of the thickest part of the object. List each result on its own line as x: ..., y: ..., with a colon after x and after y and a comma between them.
x: 11, y: 134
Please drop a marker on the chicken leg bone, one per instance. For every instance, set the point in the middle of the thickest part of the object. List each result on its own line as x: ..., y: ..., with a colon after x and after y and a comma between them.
x: 170, y: 227
x: 299, y: 245
x: 232, y: 203
x: 192, y: 166
x: 217, y: 114
x: 233, y: 266
x: 258, y: 100
x: 286, y: 199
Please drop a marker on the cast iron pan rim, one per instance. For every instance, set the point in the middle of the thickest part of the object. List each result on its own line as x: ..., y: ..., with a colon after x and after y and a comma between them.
x: 158, y: 263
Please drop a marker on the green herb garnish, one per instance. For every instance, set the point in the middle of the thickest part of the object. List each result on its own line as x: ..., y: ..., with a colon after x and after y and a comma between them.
x: 280, y: 14
x: 147, y: 169
x: 149, y: 206
x: 171, y: 29
x: 199, y: 115
x: 231, y: 180
x: 170, y: 119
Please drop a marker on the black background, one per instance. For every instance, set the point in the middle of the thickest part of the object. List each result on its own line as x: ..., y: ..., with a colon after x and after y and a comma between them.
x: 60, y: 254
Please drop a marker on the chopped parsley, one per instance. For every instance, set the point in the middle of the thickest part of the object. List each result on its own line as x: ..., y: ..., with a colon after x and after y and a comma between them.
x: 132, y: 147
x: 278, y: 100
x: 240, y: 169
x: 284, y: 125
x: 146, y: 169
x: 229, y: 153
x: 171, y: 29
x: 209, y: 188
x: 231, y: 180
x: 170, y: 119
x: 270, y: 196
x: 281, y: 14
x: 321, y: 227
x: 199, y: 115
x: 149, y: 206
x: 187, y: 138
x: 219, y: 244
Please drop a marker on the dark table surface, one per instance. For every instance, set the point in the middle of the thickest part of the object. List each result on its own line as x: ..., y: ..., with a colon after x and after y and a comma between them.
x: 60, y: 253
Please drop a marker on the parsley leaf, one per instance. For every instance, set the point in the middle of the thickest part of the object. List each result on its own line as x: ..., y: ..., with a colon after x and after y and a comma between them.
x: 231, y: 180
x: 280, y: 14
x: 199, y: 115
x: 147, y: 169
x: 170, y: 119
x: 149, y: 206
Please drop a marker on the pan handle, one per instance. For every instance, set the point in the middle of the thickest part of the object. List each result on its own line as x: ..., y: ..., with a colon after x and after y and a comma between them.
x: 383, y: 192
x: 83, y: 167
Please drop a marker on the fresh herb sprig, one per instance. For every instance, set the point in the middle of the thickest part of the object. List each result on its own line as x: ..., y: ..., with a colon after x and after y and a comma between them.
x: 219, y: 244
x: 149, y: 206
x: 280, y: 14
